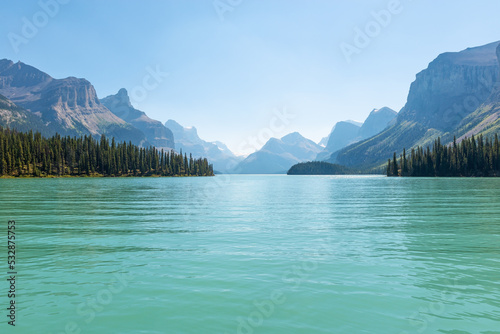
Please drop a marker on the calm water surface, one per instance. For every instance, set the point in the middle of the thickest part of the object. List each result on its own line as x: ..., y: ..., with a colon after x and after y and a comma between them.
x: 254, y: 254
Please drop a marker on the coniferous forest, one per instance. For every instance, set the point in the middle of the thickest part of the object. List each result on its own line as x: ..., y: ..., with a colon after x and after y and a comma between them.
x: 30, y: 154
x: 471, y: 157
x: 320, y: 168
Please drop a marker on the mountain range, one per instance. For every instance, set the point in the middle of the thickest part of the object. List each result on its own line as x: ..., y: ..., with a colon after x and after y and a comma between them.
x: 156, y: 133
x: 278, y: 155
x: 324, y: 141
x: 457, y: 95
x: 67, y: 106
x: 187, y: 140
x: 345, y: 133
x: 32, y: 100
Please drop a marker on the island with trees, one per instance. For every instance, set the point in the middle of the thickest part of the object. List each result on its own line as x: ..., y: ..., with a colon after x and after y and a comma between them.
x: 320, y: 168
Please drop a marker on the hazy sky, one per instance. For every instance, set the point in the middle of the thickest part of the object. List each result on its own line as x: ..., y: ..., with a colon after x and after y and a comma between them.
x: 233, y: 64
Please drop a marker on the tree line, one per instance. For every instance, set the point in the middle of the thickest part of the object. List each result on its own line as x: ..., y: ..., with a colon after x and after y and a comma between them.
x: 30, y: 154
x: 471, y: 157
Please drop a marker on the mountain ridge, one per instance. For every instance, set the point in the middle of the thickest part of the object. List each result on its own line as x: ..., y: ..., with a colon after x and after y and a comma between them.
x: 442, y: 100
x: 156, y: 133
x: 345, y: 133
x: 278, y: 155
x: 187, y: 140
x: 69, y: 106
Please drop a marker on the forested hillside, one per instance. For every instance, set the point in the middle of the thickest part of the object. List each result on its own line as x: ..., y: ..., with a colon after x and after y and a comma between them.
x: 472, y: 157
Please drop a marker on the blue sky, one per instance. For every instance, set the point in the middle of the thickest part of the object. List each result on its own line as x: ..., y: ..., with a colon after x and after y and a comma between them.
x: 231, y: 67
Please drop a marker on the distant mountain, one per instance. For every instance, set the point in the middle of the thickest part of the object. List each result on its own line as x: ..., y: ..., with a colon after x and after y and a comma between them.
x: 348, y: 132
x: 377, y: 121
x: 324, y: 141
x: 223, y: 148
x: 343, y: 134
x: 187, y: 140
x: 278, y: 155
x: 455, y: 95
x: 68, y: 106
x: 156, y: 133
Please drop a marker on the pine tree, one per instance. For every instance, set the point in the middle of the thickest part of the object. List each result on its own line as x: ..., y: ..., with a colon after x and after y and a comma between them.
x: 395, y: 169
x: 404, y: 168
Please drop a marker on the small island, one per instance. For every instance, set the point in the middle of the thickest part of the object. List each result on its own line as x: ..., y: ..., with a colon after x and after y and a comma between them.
x: 320, y: 168
x: 32, y: 155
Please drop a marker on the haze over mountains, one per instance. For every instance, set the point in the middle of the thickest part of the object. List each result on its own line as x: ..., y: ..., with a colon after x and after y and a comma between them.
x: 345, y: 133
x: 324, y: 141
x: 278, y: 155
x: 187, y: 140
x: 457, y: 95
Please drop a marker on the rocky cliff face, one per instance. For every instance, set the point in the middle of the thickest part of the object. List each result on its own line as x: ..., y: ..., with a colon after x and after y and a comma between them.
x: 156, y: 133
x: 486, y: 119
x: 441, y: 99
x: 453, y: 86
x: 68, y: 106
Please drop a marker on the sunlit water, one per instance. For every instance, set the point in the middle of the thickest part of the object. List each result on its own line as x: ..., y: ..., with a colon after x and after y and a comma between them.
x: 254, y: 254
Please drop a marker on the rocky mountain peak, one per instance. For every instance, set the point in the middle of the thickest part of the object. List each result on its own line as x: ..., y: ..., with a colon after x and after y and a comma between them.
x: 383, y: 110
x: 176, y: 128
x: 156, y: 133
x: 123, y: 97
x: 293, y: 138
x: 119, y: 103
x: 67, y: 106
x: 189, y: 134
x: 4, y: 63
x: 377, y: 121
x: 18, y: 75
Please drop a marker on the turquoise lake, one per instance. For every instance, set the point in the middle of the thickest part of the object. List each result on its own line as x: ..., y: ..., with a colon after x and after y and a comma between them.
x: 253, y: 254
